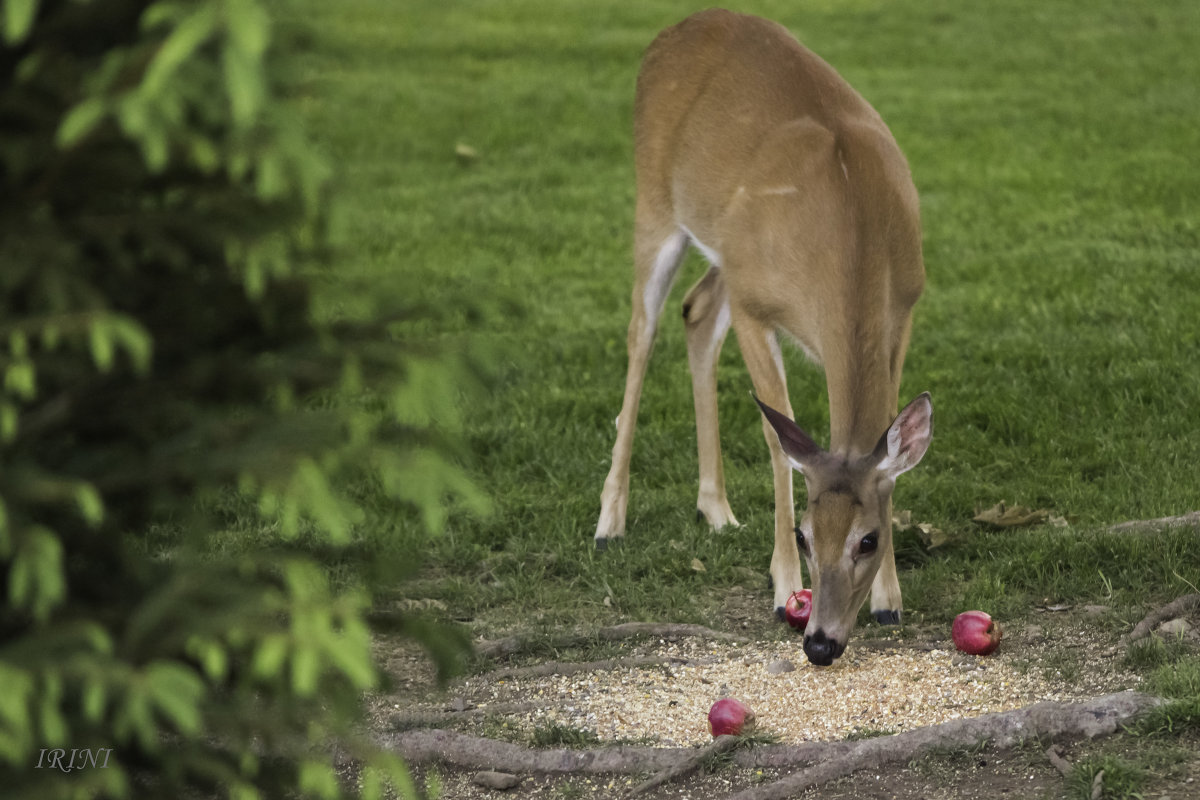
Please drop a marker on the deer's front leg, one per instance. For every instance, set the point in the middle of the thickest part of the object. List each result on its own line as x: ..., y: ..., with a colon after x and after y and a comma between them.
x: 886, y: 605
x: 760, y: 349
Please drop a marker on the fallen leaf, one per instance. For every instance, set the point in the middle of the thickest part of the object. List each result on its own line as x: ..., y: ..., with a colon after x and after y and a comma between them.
x: 465, y: 152
x: 931, y: 537
x: 698, y: 565
x: 935, y: 537
x: 1005, y: 516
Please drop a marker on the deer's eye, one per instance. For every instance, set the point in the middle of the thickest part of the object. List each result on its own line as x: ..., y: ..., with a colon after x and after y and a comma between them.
x: 801, y: 542
x: 868, y: 544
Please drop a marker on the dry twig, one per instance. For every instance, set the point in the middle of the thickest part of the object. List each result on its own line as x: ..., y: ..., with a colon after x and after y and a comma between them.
x: 722, y: 744
x: 1058, y: 762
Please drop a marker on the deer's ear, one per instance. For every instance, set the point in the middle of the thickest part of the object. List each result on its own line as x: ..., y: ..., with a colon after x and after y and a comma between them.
x: 905, y: 443
x: 797, y: 445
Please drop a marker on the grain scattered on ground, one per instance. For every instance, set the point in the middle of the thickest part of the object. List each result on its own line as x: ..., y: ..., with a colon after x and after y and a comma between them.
x: 866, y: 692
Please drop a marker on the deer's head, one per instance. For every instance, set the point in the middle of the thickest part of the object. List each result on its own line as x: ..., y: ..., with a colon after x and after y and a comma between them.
x: 847, y: 529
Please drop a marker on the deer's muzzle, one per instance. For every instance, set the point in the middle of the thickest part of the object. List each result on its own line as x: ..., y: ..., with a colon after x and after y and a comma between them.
x: 821, y: 650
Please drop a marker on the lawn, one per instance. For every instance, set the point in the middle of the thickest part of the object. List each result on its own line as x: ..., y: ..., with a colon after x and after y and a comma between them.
x: 485, y: 167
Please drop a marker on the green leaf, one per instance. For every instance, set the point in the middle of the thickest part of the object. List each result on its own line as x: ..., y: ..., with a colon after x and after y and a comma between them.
x: 20, y: 379
x: 211, y: 655
x: 91, y: 506
x: 319, y: 779
x: 134, y: 718
x: 53, y: 724
x: 163, y: 13
x: 109, y: 331
x: 18, y: 344
x: 306, y: 666
x: 16, y: 727
x: 248, y: 26
x: 243, y: 83
x: 426, y: 479
x: 8, y: 422
x: 269, y: 657
x: 95, y: 700
x: 350, y: 652
x: 101, y: 343
x: 243, y: 791
x: 177, y: 692
x: 81, y: 120
x: 311, y: 489
x: 385, y: 768
x: 36, y: 576
x: 189, y: 35
x: 18, y: 19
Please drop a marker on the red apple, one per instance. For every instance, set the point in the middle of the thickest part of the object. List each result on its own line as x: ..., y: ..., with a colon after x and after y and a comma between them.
x: 974, y: 632
x: 798, y: 609
x: 729, y: 715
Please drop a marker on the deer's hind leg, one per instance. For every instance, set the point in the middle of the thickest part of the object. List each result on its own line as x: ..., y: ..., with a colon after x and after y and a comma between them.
x: 706, y: 317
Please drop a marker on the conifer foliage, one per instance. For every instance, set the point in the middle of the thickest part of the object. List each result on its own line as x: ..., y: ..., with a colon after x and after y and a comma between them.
x: 158, y: 349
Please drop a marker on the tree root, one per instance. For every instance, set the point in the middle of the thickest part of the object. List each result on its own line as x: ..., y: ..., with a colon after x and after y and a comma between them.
x: 1176, y: 608
x: 474, y: 752
x: 828, y: 760
x: 1043, y: 720
x: 570, y: 668
x: 1150, y: 525
x: 722, y: 744
x: 432, y: 719
x: 511, y: 645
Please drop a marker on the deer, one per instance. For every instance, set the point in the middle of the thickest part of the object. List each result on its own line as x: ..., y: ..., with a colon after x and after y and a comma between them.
x: 753, y: 150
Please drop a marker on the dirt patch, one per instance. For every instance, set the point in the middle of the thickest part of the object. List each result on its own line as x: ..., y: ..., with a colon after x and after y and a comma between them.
x: 1052, y: 656
x: 659, y: 692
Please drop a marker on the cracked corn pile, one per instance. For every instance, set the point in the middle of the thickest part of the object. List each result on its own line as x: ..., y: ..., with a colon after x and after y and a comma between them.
x: 864, y: 692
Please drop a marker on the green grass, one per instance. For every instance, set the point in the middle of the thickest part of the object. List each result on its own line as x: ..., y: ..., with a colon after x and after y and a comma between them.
x: 1175, y: 677
x: 554, y: 735
x: 1053, y: 144
x: 1122, y: 778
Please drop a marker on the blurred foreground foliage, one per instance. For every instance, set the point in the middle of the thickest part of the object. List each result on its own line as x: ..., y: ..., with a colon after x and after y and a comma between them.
x: 162, y: 221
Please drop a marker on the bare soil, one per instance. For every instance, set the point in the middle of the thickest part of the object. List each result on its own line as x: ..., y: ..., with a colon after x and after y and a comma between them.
x: 1074, y: 652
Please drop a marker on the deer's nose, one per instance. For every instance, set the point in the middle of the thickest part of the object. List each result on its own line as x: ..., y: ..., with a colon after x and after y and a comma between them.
x: 821, y: 650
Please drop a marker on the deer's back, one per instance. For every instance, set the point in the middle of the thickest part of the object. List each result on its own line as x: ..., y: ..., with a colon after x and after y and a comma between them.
x: 752, y: 142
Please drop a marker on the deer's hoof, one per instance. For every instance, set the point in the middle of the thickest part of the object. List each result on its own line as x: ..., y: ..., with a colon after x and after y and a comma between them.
x: 601, y: 545
x: 886, y: 617
x: 779, y: 613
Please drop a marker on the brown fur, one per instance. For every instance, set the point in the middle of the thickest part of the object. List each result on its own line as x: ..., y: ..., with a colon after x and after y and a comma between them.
x: 766, y: 157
